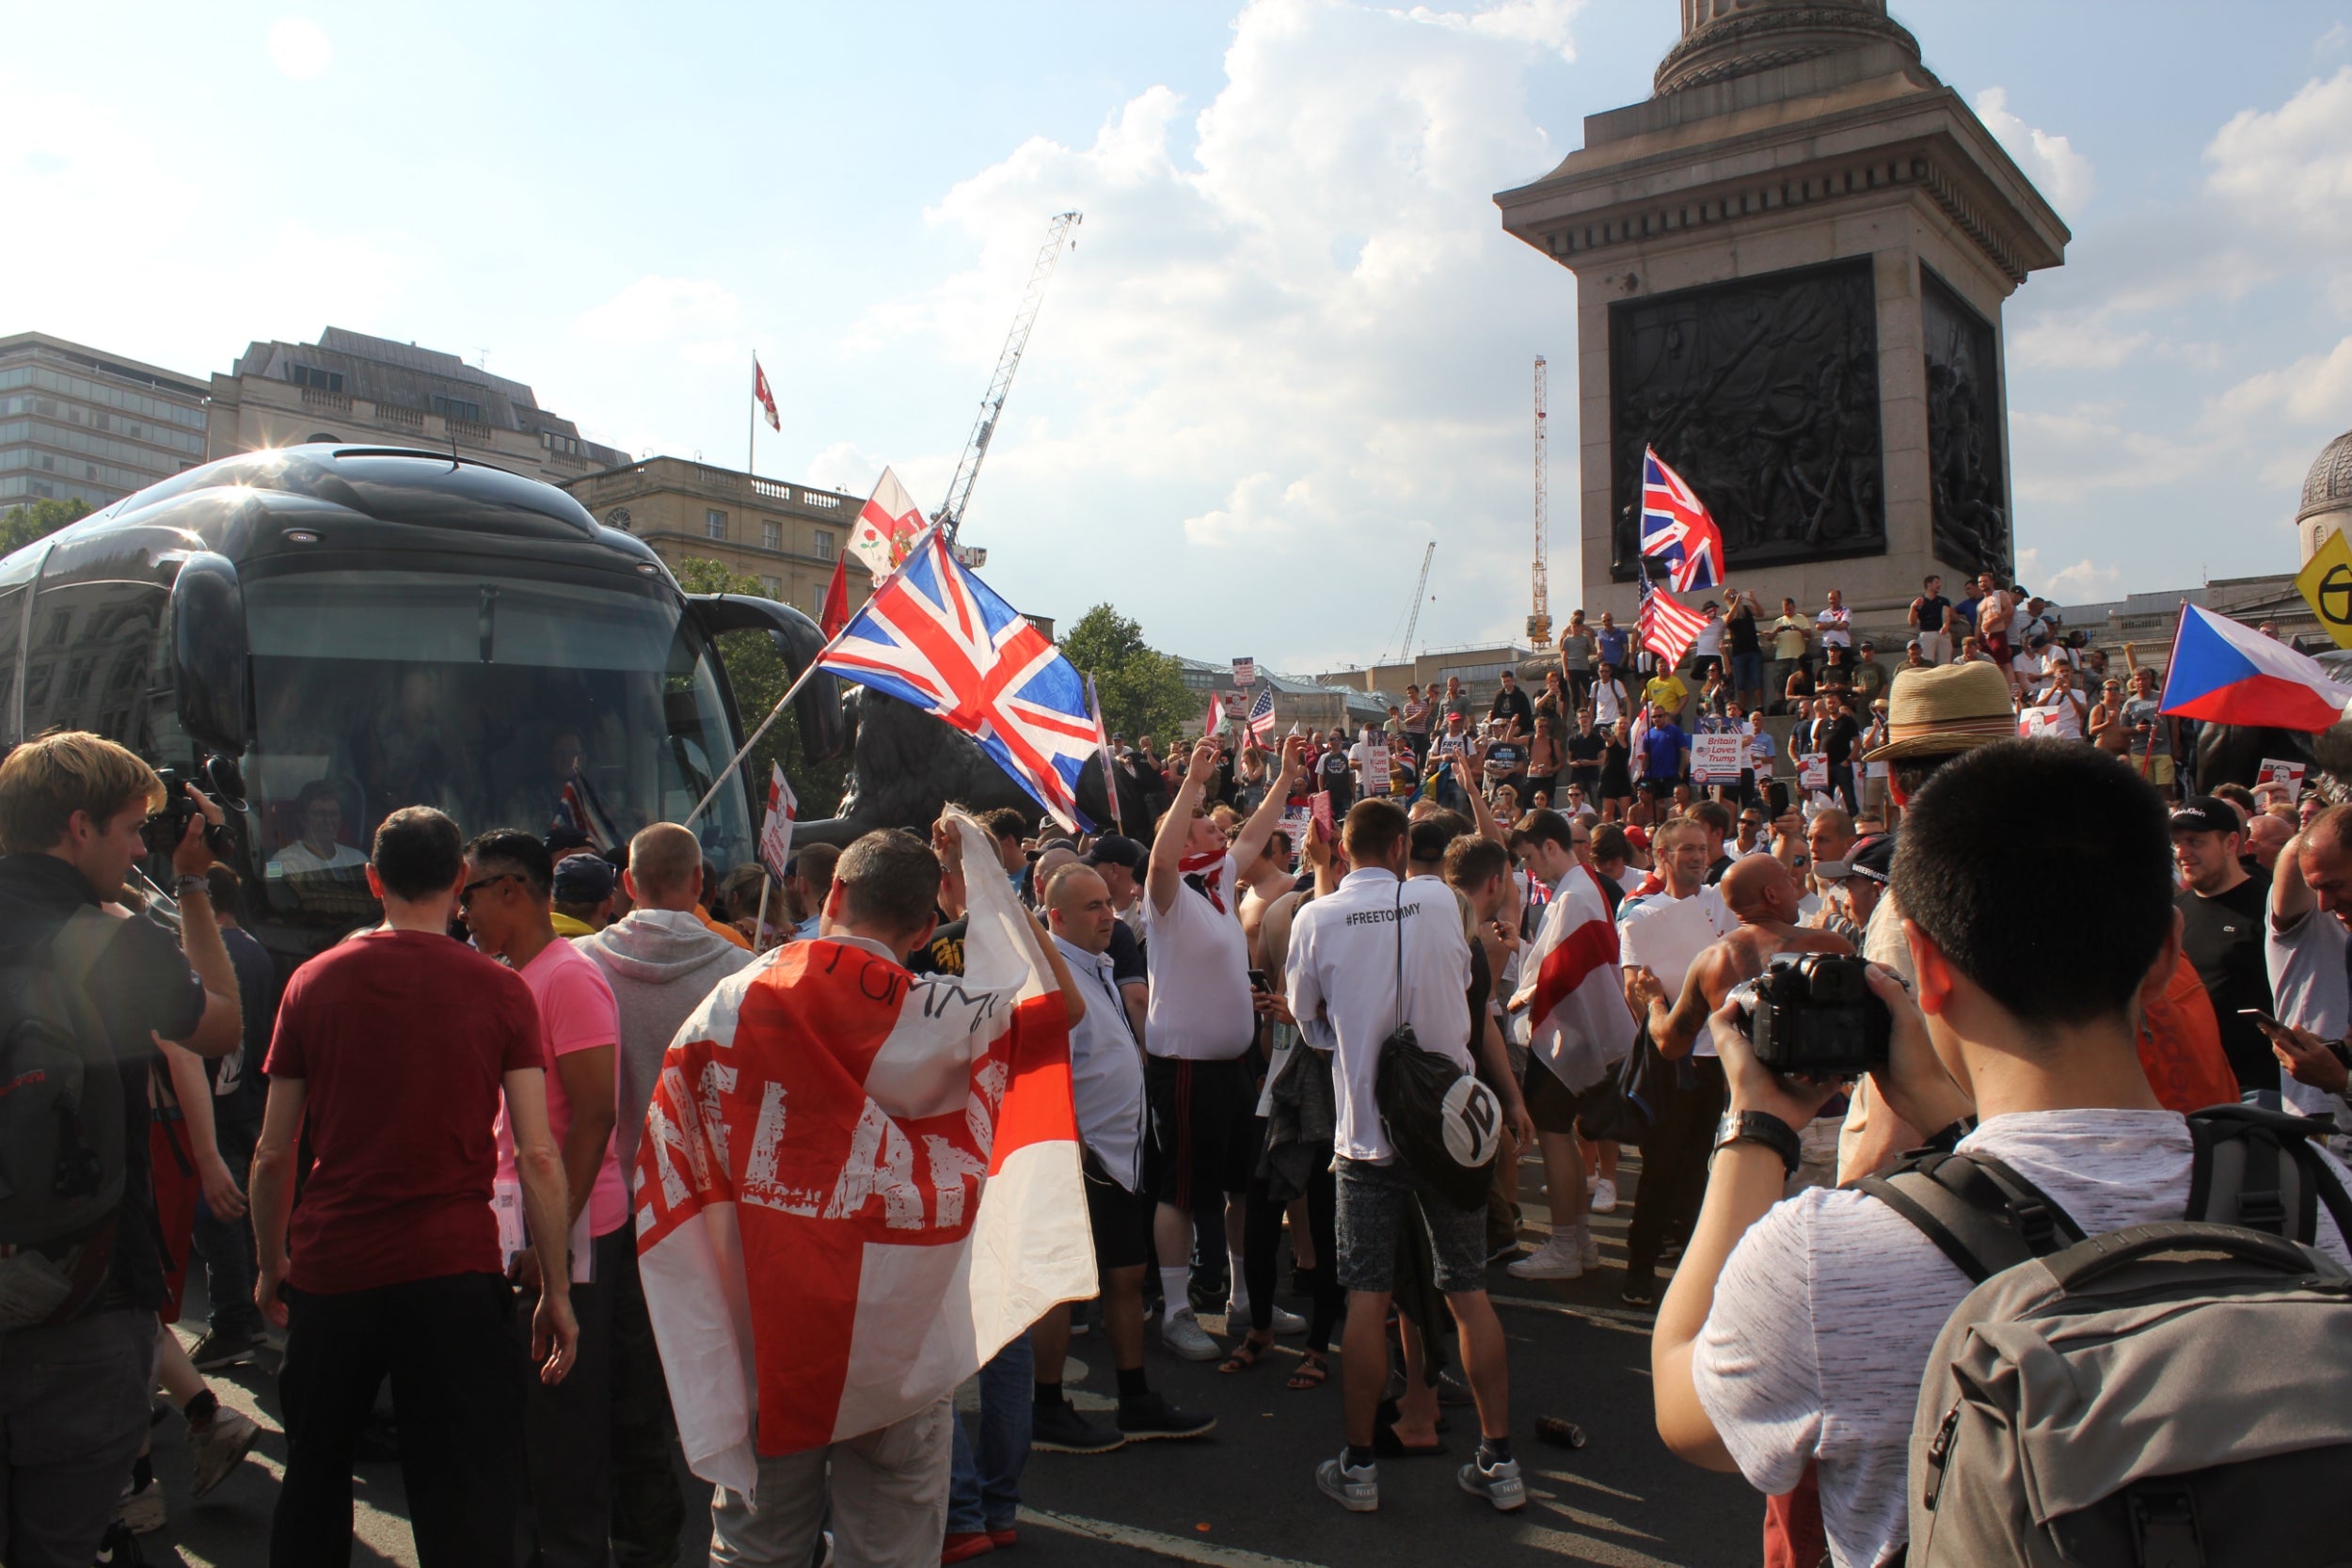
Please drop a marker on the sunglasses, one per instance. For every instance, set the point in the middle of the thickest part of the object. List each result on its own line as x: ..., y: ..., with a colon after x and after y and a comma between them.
x: 464, y: 894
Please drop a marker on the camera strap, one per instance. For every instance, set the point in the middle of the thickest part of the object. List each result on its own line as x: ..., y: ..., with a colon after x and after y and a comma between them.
x: 1400, y: 958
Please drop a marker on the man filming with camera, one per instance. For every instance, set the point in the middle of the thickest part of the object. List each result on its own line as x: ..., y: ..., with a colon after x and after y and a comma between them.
x: 1800, y: 1333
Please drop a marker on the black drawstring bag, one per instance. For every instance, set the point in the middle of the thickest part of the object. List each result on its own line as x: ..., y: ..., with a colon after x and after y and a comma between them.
x: 1441, y: 1121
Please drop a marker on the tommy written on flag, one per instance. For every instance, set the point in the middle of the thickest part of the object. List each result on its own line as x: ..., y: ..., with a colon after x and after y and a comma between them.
x: 856, y: 1186
x: 1678, y: 528
x: 886, y: 526
x: 764, y: 395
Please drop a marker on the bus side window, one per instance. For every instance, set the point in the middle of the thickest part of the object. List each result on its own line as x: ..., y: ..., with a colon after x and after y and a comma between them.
x: 11, y: 622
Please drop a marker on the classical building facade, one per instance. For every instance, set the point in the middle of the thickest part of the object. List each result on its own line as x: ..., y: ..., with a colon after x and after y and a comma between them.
x: 79, y: 423
x: 354, y: 388
x: 785, y: 535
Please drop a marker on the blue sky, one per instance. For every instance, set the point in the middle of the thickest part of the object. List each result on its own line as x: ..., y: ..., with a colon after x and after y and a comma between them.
x: 1293, y: 343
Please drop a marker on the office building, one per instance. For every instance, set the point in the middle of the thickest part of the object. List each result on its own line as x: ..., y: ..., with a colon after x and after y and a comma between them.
x: 79, y: 423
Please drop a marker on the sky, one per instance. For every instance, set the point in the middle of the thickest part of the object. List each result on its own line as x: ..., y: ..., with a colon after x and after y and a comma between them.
x: 1293, y: 343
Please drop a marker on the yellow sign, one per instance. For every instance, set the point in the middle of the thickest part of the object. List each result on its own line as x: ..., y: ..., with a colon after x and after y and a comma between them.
x: 2325, y: 584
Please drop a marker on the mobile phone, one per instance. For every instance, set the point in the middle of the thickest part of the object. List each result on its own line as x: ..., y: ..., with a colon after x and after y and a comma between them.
x: 2260, y: 1017
x: 1256, y: 979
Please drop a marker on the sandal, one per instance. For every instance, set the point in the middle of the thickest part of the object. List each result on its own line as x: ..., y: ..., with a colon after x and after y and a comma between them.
x: 1312, y: 1371
x: 1246, y: 1354
x: 1388, y: 1444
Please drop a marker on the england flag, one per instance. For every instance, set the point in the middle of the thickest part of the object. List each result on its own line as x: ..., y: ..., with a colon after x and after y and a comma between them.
x: 1578, y: 1019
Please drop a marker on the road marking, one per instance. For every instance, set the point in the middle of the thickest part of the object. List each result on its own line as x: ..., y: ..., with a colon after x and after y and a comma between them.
x: 1158, y: 1545
x: 1623, y: 1321
x: 1584, y: 1548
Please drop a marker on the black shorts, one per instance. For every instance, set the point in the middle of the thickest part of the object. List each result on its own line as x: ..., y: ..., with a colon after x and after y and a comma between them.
x: 1204, y: 1133
x: 1551, y: 1105
x: 1122, y: 1220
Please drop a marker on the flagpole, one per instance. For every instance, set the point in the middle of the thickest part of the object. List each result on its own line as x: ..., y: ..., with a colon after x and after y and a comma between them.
x: 750, y: 424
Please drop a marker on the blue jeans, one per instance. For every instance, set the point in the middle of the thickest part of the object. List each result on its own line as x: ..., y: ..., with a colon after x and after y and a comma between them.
x: 227, y: 1245
x: 984, y: 1489
x: 1747, y: 672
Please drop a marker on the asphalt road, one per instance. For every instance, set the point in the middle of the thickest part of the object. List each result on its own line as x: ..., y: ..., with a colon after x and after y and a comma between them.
x: 1244, y: 1499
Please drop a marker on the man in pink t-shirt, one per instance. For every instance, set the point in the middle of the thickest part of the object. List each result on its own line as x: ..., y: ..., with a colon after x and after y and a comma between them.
x: 507, y: 903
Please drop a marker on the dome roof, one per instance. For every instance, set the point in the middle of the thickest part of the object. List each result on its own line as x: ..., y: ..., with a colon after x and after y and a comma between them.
x: 1723, y: 39
x: 2329, y: 487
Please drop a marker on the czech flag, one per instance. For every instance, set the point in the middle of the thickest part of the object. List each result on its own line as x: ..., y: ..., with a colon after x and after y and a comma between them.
x: 2227, y: 674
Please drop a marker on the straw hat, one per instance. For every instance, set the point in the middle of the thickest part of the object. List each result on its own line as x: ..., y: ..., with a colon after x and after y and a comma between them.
x: 1954, y: 707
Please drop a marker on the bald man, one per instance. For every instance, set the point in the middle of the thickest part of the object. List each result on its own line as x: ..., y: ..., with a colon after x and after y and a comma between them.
x: 661, y: 962
x: 1762, y: 893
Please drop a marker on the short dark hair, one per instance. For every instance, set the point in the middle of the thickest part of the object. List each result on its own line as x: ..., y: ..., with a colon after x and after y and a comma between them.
x: 888, y: 880
x: 1372, y: 829
x: 317, y: 789
x: 1712, y: 814
x: 228, y: 893
x: 2082, y: 819
x: 1548, y: 826
x: 1005, y: 822
x: 512, y: 849
x: 1610, y: 842
x: 1470, y: 862
x: 1430, y: 838
x: 418, y: 852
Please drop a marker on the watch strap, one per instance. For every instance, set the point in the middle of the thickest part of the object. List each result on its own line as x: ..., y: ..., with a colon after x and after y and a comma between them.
x: 1759, y: 1127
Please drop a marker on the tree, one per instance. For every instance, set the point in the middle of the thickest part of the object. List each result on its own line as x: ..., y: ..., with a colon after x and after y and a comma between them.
x: 1143, y: 691
x: 22, y: 525
x: 760, y: 676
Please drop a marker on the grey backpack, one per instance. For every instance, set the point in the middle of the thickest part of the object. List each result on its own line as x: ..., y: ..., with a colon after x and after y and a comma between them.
x: 2175, y: 1395
x: 62, y: 1161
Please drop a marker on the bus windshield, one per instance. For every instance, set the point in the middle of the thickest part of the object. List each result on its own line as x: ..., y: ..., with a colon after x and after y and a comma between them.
x: 505, y: 703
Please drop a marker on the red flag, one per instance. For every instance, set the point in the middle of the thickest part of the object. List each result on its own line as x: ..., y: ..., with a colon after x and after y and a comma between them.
x: 836, y: 611
x: 766, y: 398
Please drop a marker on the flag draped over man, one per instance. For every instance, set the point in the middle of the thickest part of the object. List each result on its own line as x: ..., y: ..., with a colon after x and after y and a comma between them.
x: 856, y: 1186
x: 1576, y: 1019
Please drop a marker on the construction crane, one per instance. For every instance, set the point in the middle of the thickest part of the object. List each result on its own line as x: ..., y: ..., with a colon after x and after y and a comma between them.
x: 1412, y: 611
x: 950, y: 512
x: 1539, y: 618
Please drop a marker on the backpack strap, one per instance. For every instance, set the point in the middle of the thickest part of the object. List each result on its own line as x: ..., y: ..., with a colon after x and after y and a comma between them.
x: 2260, y: 1169
x: 1979, y: 1211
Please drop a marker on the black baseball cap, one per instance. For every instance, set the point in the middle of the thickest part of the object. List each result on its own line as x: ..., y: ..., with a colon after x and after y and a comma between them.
x: 1872, y: 857
x: 1111, y: 849
x: 2206, y: 814
x: 583, y: 880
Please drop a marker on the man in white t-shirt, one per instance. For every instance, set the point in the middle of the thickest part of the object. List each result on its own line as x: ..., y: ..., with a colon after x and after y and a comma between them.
x: 321, y: 813
x: 1833, y: 626
x: 1375, y: 951
x: 2304, y: 950
x: 1199, y: 1022
x: 1798, y: 1334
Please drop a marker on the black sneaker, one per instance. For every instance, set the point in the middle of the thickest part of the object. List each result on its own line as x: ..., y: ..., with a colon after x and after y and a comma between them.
x: 1639, y: 1293
x: 1148, y: 1415
x: 223, y: 1348
x: 1059, y: 1429
x: 120, y: 1549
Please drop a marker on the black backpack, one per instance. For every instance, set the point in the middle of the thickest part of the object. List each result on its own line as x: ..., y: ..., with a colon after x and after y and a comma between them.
x: 61, y: 1126
x: 1444, y: 1122
x: 2175, y: 1394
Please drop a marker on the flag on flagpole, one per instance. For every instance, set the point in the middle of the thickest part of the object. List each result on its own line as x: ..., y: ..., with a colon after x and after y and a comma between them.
x: 1667, y: 628
x: 836, y: 611
x: 2225, y: 673
x: 775, y: 828
x: 1216, y: 720
x: 886, y: 526
x: 1103, y: 744
x: 1678, y: 528
x: 856, y: 1186
x: 1261, y: 719
x: 934, y: 635
x: 763, y: 396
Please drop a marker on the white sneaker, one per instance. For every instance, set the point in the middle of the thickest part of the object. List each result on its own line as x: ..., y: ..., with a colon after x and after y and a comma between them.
x: 1499, y: 1483
x: 1604, y: 1196
x: 1280, y: 1320
x: 1588, y: 1249
x: 1183, y: 1335
x: 219, y: 1447
x: 1556, y: 1259
x: 1357, y: 1491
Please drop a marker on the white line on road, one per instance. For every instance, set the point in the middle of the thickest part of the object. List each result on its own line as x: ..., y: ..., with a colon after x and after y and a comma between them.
x: 1152, y: 1541
x: 1604, y: 1317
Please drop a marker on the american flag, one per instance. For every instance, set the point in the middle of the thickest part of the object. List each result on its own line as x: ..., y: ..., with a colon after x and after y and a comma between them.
x: 1676, y: 529
x: 1261, y: 719
x: 1667, y: 628
x: 935, y: 636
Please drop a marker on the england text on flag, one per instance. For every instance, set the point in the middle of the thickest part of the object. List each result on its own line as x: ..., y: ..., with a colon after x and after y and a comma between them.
x: 886, y: 526
x: 935, y: 636
x: 1576, y: 1018
x: 1678, y: 528
x: 856, y: 1186
x: 1667, y: 628
x: 1261, y: 721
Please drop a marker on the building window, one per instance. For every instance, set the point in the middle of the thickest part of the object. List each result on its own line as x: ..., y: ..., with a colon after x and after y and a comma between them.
x: 324, y: 381
x: 772, y: 587
x: 771, y: 534
x: 816, y: 600
x: 824, y: 544
x: 450, y: 408
x: 714, y: 524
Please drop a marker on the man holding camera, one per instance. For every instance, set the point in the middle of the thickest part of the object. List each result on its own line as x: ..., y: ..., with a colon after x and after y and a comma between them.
x: 1798, y: 1333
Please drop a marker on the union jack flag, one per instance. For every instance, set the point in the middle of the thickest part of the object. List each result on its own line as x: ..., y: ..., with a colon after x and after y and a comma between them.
x: 1261, y: 719
x: 935, y: 636
x: 1667, y: 627
x: 1676, y: 529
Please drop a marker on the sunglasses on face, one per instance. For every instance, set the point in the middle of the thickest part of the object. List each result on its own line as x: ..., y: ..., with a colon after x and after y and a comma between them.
x: 464, y: 894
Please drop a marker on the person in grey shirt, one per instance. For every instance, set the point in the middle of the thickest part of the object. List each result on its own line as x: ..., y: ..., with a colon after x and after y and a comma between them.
x: 1576, y: 656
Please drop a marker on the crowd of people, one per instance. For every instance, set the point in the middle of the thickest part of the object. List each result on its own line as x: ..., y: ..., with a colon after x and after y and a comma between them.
x: 419, y: 1164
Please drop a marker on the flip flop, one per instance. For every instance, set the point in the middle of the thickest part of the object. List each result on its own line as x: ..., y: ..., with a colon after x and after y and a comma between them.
x: 1246, y: 1354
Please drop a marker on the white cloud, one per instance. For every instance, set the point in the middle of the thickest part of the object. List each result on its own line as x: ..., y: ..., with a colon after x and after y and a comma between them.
x: 2315, y: 390
x: 2290, y: 168
x: 1546, y: 24
x: 2084, y: 583
x: 2063, y: 175
x: 299, y: 47
x: 2073, y: 344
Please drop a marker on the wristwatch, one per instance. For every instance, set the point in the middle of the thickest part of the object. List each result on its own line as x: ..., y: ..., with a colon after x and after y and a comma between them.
x: 188, y: 886
x: 1758, y: 1127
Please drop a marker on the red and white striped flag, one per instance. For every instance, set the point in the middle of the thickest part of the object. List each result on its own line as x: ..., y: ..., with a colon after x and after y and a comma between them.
x: 1667, y: 629
x: 1216, y: 720
x: 1578, y: 1018
x: 856, y: 1186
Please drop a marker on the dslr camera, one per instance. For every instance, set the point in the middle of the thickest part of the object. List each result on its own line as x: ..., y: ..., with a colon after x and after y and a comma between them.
x: 165, y: 829
x: 1813, y: 1015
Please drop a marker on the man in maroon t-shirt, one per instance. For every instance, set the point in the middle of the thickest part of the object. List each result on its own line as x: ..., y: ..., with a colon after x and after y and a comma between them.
x: 396, y: 1045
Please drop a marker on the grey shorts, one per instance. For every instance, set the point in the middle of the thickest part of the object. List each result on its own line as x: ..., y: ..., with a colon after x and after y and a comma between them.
x: 1372, y: 1204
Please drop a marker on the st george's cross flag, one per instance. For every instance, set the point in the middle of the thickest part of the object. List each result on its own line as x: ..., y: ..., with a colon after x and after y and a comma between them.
x: 936, y: 636
x: 1577, y: 1019
x: 2225, y: 673
x: 776, y: 827
x: 855, y: 1186
x: 765, y: 397
x: 1667, y: 628
x: 886, y: 528
x: 1678, y: 528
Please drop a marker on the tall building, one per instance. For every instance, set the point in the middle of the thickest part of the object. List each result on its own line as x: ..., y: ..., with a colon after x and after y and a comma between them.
x: 349, y: 387
x: 785, y: 535
x: 78, y: 423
